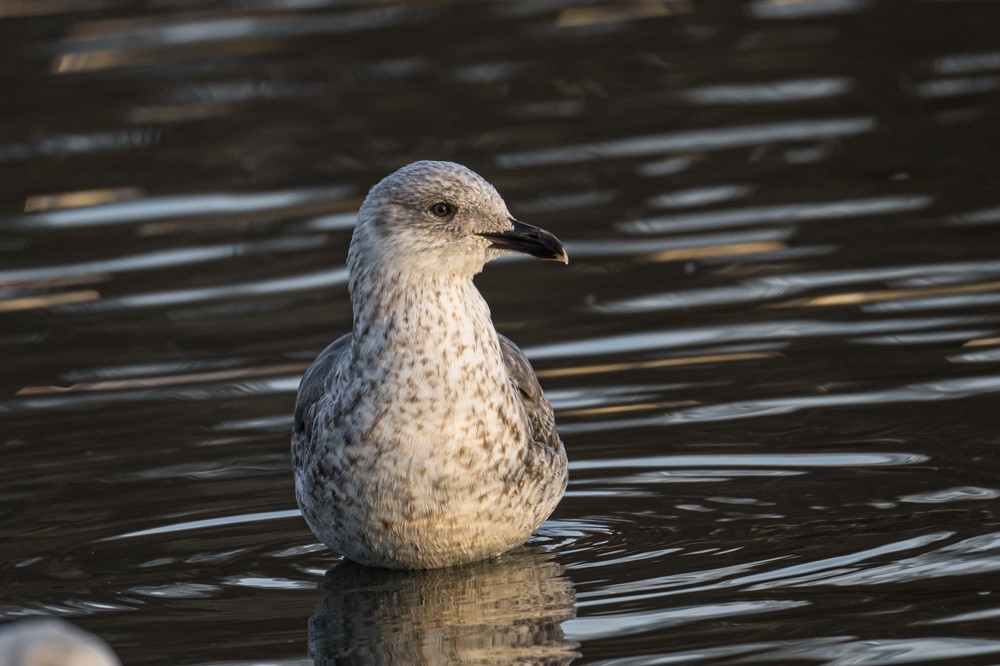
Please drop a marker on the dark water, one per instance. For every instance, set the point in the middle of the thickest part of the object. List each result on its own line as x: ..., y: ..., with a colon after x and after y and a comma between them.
x: 775, y: 354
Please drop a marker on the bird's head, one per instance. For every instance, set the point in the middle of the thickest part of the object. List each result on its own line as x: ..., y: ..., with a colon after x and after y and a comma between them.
x: 443, y: 218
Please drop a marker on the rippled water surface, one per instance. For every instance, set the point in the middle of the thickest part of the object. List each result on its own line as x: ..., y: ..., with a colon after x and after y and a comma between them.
x: 774, y: 356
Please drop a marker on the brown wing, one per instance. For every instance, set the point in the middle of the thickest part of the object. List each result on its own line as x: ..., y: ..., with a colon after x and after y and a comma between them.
x: 536, y: 405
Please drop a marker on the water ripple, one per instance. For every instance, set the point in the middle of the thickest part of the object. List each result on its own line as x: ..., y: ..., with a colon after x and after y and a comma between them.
x: 58, y: 145
x: 118, y: 38
x: 846, y: 651
x: 967, y: 62
x: 976, y: 555
x: 694, y: 245
x: 177, y: 591
x: 778, y: 330
x: 158, y: 208
x: 180, y: 256
x: 949, y: 495
x: 222, y: 521
x: 769, y: 92
x: 776, y: 460
x: 594, y: 627
x: 780, y: 9
x: 944, y: 389
x: 710, y: 139
x: 699, y: 196
x: 784, y: 213
x: 153, y: 299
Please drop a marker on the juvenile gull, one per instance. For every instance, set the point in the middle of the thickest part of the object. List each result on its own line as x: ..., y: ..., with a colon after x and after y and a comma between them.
x: 422, y: 438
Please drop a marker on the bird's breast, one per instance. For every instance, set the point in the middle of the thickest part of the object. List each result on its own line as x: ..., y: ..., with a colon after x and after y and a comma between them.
x: 428, y: 376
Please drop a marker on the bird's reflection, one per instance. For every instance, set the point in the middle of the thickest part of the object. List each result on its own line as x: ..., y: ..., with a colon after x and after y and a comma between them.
x: 502, y: 611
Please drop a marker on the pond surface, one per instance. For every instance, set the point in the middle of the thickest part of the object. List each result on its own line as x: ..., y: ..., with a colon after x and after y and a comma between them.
x: 774, y: 355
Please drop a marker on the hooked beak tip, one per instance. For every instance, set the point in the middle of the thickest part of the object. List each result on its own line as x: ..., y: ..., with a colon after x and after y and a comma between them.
x: 529, y: 240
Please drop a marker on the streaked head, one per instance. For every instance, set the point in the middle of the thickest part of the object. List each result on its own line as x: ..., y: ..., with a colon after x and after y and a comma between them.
x: 442, y: 217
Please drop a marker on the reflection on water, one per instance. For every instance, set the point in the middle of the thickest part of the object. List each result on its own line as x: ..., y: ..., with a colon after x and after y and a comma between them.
x: 497, y: 612
x: 716, y: 138
x: 773, y: 357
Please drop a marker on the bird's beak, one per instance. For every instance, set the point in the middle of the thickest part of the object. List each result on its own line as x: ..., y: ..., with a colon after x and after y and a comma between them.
x: 530, y: 240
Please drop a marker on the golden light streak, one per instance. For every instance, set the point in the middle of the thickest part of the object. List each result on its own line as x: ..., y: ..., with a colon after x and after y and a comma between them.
x: 575, y: 17
x: 68, y: 63
x: 860, y: 297
x: 688, y: 254
x: 98, y: 59
x: 48, y: 300
x: 80, y: 198
x: 63, y: 281
x: 982, y: 342
x: 622, y: 409
x: 658, y: 363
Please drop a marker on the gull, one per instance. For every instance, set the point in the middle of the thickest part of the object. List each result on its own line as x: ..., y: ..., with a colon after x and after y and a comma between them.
x: 422, y: 439
x: 49, y: 642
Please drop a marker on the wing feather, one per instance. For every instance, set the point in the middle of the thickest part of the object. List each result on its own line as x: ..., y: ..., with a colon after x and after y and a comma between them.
x: 316, y: 382
x: 537, y: 407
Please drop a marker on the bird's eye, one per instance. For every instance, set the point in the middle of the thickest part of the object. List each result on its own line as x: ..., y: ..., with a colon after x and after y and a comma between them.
x: 442, y: 209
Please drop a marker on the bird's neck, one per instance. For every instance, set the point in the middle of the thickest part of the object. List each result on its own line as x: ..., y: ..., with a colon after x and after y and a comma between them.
x: 439, y: 312
x: 432, y: 342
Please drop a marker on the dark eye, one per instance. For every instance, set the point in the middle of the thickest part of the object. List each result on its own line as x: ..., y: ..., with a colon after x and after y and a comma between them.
x: 442, y: 209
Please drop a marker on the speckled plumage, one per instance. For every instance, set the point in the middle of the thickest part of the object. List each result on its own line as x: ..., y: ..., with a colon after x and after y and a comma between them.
x: 423, y: 439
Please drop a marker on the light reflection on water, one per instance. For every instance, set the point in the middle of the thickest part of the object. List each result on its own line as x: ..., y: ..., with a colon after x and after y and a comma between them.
x: 719, y: 138
x: 156, y: 208
x: 798, y: 212
x: 772, y: 355
x: 779, y: 329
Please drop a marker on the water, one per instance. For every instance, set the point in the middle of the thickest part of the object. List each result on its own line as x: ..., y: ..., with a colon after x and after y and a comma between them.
x: 774, y: 356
